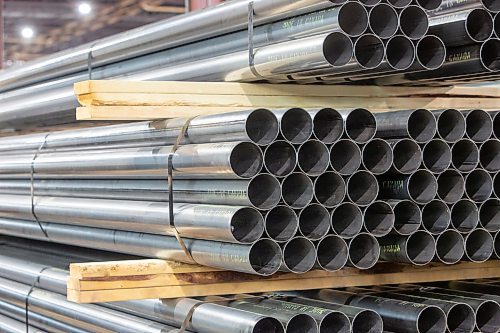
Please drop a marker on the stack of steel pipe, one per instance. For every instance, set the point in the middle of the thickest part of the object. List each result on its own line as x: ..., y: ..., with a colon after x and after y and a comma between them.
x: 261, y: 191
x: 322, y: 41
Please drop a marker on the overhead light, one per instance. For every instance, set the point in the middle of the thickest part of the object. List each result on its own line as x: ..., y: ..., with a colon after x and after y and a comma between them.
x: 84, y: 8
x: 27, y: 32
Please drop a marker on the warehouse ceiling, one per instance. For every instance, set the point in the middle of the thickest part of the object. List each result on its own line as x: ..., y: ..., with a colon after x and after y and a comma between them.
x: 60, y: 24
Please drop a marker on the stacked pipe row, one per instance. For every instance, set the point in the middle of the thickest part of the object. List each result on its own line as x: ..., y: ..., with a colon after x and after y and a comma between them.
x: 309, y: 41
x: 305, y: 188
x: 456, y: 306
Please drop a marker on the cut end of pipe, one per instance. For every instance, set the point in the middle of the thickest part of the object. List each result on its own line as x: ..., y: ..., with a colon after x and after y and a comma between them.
x: 314, y: 222
x: 281, y: 223
x: 399, y: 3
x: 367, y: 321
x: 338, y: 49
x: 479, y: 125
x: 377, y: 156
x: 479, y: 185
x: 436, y: 217
x: 490, y: 54
x: 369, y: 51
x: 431, y: 320
x: 407, y: 156
x: 246, y: 160
x: 262, y: 126
x: 302, y: 323
x: 353, y: 19
x: 345, y: 157
x: 489, y: 215
x: 383, y: 20
x: 268, y: 324
x: 431, y: 52
x: 437, y: 156
x: 488, y: 317
x: 429, y: 5
x: 280, y: 158
x: 329, y: 189
x: 421, y: 248
x: 414, y: 23
x: 347, y: 220
x: 335, y: 322
x: 296, y: 125
x: 479, y: 245
x: 451, y: 186
x: 450, y: 247
x: 264, y: 191
x: 265, y: 257
x: 332, y: 253
x: 422, y: 186
x: 490, y: 155
x: 479, y: 25
x: 497, y: 245
x: 362, y: 188
x: 379, y: 218
x: 408, y: 217
x: 491, y: 5
x: 328, y: 125
x: 464, y: 216
x: 451, y: 125
x: 364, y: 251
x: 360, y: 125
x: 422, y: 125
x: 313, y: 157
x: 400, y: 52
x: 465, y: 155
x: 247, y: 225
x: 461, y: 318
x: 297, y: 190
x: 299, y: 255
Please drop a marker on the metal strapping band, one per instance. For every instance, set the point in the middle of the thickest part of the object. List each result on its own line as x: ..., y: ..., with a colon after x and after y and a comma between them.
x: 251, y: 46
x: 26, y: 300
x: 32, y: 185
x: 89, y: 60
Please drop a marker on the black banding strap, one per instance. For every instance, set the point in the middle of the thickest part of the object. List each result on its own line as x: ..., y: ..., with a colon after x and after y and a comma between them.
x: 26, y: 300
x: 32, y: 184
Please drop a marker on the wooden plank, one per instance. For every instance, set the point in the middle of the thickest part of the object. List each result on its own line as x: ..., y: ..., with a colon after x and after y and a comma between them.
x: 344, y: 278
x: 234, y: 88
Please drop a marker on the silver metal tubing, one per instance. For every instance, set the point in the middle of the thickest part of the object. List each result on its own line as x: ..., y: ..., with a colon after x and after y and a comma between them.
x: 479, y: 125
x: 345, y: 157
x: 262, y: 257
x: 407, y: 155
x: 378, y: 218
x: 419, y: 125
x: 10, y: 325
x: 478, y: 185
x: 332, y: 253
x: 414, y: 23
x: 352, y: 18
x: 451, y: 125
x: 314, y: 222
x: 280, y: 158
x: 408, y: 216
x: 489, y: 155
x: 497, y: 244
x: 296, y: 125
x: 451, y: 186
x: 383, y: 20
x: 489, y: 215
x: 464, y: 216
x: 235, y: 224
x: 362, y: 188
x: 465, y: 155
x: 479, y: 245
x: 421, y: 187
x: 400, y: 53
x: 462, y: 27
x: 297, y: 190
x: 328, y: 125
x: 313, y: 158
x: 377, y: 156
x: 417, y: 249
x: 329, y: 189
x: 360, y: 124
x: 496, y: 124
x: 450, y: 247
x: 453, y: 6
x: 282, y: 223
x: 431, y: 53
x: 263, y: 191
x: 299, y: 255
x: 436, y: 217
x: 496, y: 185
x: 436, y: 155
x: 429, y: 4
x: 347, y: 220
x: 364, y: 251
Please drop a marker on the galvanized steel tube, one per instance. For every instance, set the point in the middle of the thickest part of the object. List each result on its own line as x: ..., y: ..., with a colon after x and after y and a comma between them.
x: 297, y: 190
x: 421, y: 187
x: 489, y: 215
x: 345, y: 157
x: 489, y: 155
x: 479, y: 125
x: 332, y: 253
x: 314, y: 222
x: 414, y: 23
x: 436, y: 156
x: 419, y: 125
x: 329, y: 189
x: 377, y: 156
x: 451, y: 186
x: 436, y: 217
x: 450, y: 247
x: 479, y: 245
x: 478, y: 185
x: 464, y: 216
x: 408, y: 216
x: 417, y: 249
x: 465, y: 155
x: 407, y: 155
x: 346, y: 220
x: 451, y: 125
x: 378, y: 218
x: 281, y: 223
x: 280, y: 158
x: 299, y: 255
x: 328, y: 125
x: 364, y: 251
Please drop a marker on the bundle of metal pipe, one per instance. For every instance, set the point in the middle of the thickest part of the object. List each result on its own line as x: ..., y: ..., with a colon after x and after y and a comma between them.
x: 305, y: 41
x: 294, y: 194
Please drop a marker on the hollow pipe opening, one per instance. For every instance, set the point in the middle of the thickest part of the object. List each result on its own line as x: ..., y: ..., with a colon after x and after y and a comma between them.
x: 282, y: 223
x: 429, y: 4
x: 314, y: 222
x: 328, y: 125
x: 464, y: 216
x: 332, y: 253
x: 451, y: 125
x: 489, y: 155
x: 450, y: 247
x: 479, y: 25
x: 479, y: 125
x: 329, y: 189
x: 465, y: 155
x: 407, y: 156
x: 377, y: 156
x: 247, y: 225
x: 491, y: 5
x: 431, y: 320
x: 451, y: 186
x: 422, y: 125
x: 461, y: 318
x: 497, y: 245
x: 400, y: 4
x: 280, y: 158
x: 488, y: 317
x: 367, y: 321
x: 362, y: 188
x: 496, y: 185
x: 360, y: 125
x: 437, y: 156
x: 246, y: 159
x: 299, y: 255
x: 297, y: 190
x: 379, y: 218
x: 489, y: 215
x: 262, y: 126
x: 302, y: 323
x: 268, y: 324
x: 408, y: 217
x: 369, y: 51
x: 353, y: 19
x: 436, y: 217
x: 421, y: 248
x: 414, y: 23
x: 490, y: 54
x: 479, y: 246
x: 313, y: 157
x: 345, y: 157
x: 296, y: 125
x: 422, y: 186
x: 338, y: 49
x: 370, y: 3
x: 431, y: 52
x: 364, y: 251
x: 383, y: 20
x: 335, y: 322
x: 496, y: 24
x: 478, y: 185
x: 347, y: 220
x: 264, y: 191
x: 265, y: 257
x: 400, y: 52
